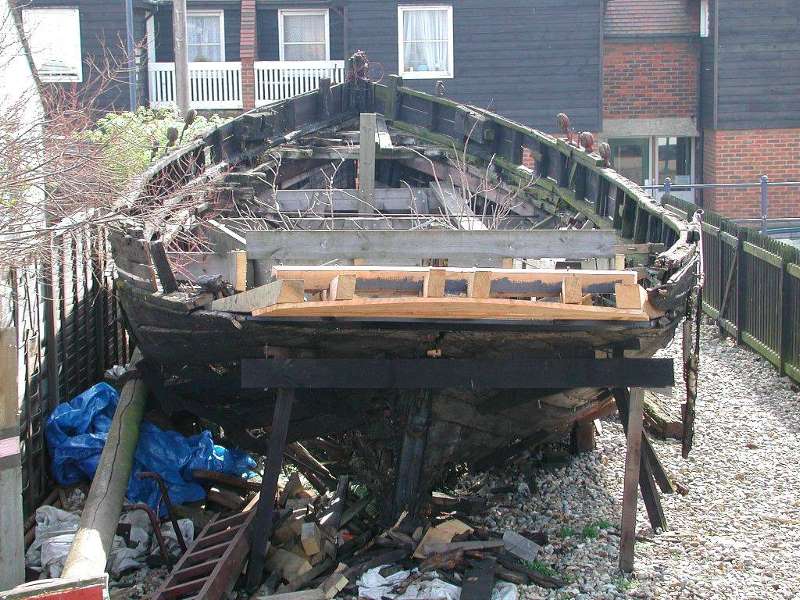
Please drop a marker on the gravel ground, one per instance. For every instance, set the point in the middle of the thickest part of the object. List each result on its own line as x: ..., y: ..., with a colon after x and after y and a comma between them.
x: 735, y: 535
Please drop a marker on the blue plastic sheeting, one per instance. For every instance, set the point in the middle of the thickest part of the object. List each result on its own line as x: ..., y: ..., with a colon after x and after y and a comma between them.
x: 76, y: 432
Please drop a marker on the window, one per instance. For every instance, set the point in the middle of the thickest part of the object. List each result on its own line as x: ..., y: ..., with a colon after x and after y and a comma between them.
x: 631, y: 158
x: 205, y: 33
x: 425, y: 35
x: 704, y: 18
x: 54, y: 36
x: 650, y: 160
x: 303, y: 35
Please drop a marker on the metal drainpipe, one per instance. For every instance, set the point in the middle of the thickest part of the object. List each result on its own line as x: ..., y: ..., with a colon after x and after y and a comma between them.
x: 764, y: 203
x: 129, y: 47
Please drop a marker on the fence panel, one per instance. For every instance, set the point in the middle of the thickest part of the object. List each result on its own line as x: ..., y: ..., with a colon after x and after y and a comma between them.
x: 763, y: 301
x: 69, y: 332
x: 791, y: 325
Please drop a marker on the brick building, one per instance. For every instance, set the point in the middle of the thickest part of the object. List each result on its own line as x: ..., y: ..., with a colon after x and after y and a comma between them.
x: 705, y: 91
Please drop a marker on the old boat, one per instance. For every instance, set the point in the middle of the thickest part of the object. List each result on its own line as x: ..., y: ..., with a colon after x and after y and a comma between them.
x: 366, y: 220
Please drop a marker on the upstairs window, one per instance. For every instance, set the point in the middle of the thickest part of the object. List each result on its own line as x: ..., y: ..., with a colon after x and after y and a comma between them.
x: 303, y: 35
x: 205, y: 33
x: 425, y: 35
x: 54, y: 37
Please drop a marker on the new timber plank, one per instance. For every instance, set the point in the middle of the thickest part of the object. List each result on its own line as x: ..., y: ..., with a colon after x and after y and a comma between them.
x: 507, y: 283
x: 277, y: 292
x: 416, y: 245
x: 512, y: 373
x: 478, y: 307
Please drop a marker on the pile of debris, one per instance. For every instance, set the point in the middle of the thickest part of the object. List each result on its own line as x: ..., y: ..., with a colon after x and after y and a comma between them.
x: 332, y: 545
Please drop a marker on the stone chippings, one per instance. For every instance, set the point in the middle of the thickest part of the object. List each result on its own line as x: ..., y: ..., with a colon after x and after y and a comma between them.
x: 735, y: 535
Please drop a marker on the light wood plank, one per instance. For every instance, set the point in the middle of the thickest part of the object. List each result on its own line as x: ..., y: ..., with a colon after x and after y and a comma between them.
x: 450, y: 308
x: 628, y: 295
x: 240, y: 265
x: 342, y: 287
x: 416, y: 245
x: 506, y: 282
x: 277, y: 292
x: 572, y: 292
x: 480, y: 284
x: 433, y: 284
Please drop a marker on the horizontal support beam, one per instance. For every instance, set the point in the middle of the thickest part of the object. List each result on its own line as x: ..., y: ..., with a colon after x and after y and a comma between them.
x: 418, y: 245
x: 323, y: 202
x: 544, y: 373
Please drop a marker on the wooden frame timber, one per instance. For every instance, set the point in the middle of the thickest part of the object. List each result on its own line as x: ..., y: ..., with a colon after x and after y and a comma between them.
x: 509, y: 373
x: 443, y: 243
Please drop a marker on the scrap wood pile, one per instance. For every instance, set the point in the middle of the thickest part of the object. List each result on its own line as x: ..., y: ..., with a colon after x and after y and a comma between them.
x: 331, y: 545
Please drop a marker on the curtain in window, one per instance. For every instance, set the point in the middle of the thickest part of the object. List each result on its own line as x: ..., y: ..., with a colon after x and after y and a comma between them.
x: 425, y: 40
x: 304, y: 37
x: 204, y: 38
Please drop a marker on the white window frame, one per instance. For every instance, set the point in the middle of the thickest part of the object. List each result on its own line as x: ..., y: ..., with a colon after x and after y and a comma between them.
x: 74, y: 12
x: 448, y: 74
x: 220, y: 14
x: 704, y: 18
x: 304, y: 12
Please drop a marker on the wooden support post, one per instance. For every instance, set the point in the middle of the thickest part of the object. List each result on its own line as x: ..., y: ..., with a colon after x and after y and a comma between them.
x: 89, y: 552
x: 12, y: 531
x: 583, y: 436
x: 630, y: 494
x: 412, y: 454
x: 262, y: 524
x: 366, y: 159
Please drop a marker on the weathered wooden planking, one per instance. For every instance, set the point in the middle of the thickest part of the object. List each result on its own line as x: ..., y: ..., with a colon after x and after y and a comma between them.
x: 505, y: 282
x: 366, y: 159
x: 418, y: 245
x: 275, y: 293
x: 541, y: 373
x: 450, y: 308
x: 457, y: 208
x: 323, y: 202
x: 142, y: 276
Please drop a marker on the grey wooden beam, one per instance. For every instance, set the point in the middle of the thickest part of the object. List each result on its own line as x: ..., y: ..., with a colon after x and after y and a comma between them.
x: 456, y: 208
x: 432, y: 243
x: 323, y: 202
x: 366, y: 158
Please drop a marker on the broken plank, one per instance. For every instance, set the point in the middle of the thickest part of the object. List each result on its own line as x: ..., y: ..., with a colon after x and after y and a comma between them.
x: 311, y: 538
x: 437, y: 548
x: 315, y: 594
x: 520, y: 546
x: 433, y: 243
x: 277, y: 292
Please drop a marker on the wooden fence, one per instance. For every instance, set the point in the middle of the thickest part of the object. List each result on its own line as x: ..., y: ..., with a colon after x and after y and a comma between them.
x: 69, y: 330
x: 752, y: 287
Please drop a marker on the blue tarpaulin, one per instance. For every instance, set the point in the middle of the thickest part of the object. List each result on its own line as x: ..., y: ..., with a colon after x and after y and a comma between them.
x: 76, y: 432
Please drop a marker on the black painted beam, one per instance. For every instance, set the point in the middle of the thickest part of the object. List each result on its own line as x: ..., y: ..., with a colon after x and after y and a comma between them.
x: 561, y: 373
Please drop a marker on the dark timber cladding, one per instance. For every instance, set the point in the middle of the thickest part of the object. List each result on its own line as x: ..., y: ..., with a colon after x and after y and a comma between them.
x: 102, y: 33
x: 528, y: 59
x: 758, y: 54
x: 232, y: 19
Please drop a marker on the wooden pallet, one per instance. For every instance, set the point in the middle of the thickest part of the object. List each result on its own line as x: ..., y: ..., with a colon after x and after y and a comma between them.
x: 444, y: 293
x: 210, y: 566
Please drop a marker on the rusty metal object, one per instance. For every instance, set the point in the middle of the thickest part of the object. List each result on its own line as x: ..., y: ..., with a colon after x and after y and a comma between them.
x: 156, y: 523
x: 586, y: 139
x: 165, y: 497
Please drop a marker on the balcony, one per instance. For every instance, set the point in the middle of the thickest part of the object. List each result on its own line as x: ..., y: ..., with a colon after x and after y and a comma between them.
x: 279, y: 80
x: 218, y: 85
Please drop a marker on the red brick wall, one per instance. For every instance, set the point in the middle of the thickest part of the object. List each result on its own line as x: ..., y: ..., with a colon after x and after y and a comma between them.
x: 247, y: 53
x: 650, y: 80
x: 743, y: 156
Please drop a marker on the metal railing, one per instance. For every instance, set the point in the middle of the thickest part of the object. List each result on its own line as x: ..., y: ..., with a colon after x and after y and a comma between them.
x: 212, y: 85
x: 763, y: 184
x: 280, y: 80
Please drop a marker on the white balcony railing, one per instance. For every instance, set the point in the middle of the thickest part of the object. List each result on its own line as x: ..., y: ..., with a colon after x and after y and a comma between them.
x: 212, y: 85
x: 279, y: 80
